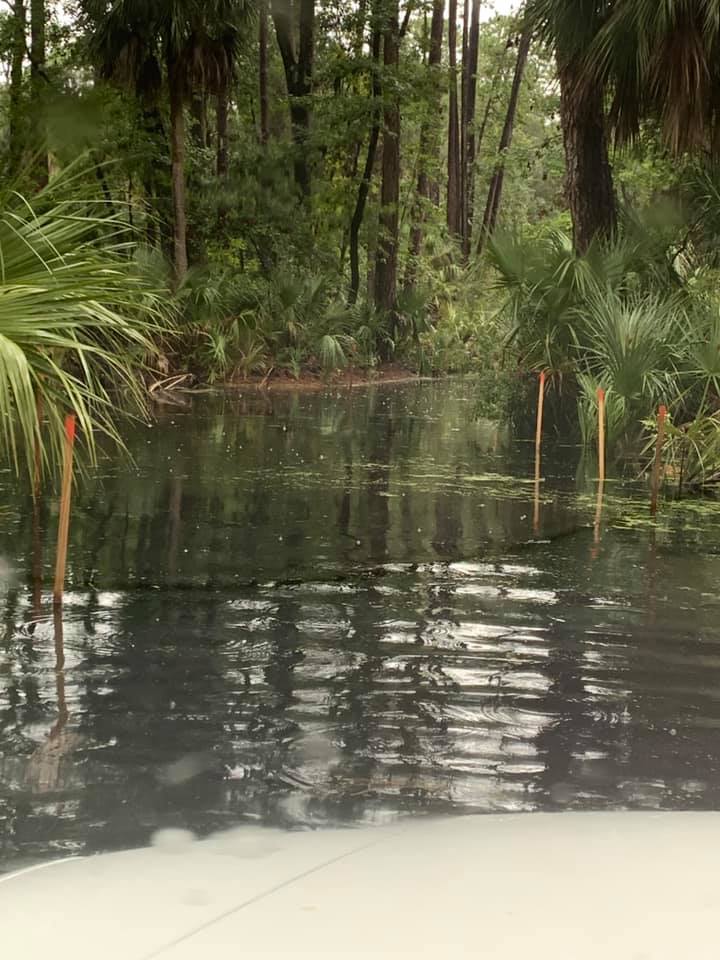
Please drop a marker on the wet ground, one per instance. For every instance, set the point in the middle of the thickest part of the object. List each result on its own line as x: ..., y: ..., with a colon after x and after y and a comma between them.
x: 347, y: 607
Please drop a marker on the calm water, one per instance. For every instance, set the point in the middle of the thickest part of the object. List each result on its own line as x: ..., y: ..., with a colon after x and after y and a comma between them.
x: 308, y: 610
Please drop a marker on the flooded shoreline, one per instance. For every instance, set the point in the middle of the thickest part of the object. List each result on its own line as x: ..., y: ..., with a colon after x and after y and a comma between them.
x: 330, y: 612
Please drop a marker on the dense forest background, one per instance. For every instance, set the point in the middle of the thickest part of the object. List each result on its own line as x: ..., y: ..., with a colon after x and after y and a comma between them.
x: 305, y: 185
x: 334, y: 167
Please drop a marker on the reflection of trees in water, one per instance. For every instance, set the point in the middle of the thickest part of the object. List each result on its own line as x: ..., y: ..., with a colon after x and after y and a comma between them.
x: 20, y: 666
x: 46, y: 770
x: 602, y: 738
x: 564, y: 702
x: 36, y: 770
x: 39, y: 525
x: 268, y: 727
x: 226, y: 479
x: 388, y: 707
x: 378, y: 504
x: 180, y: 674
x: 448, y: 522
x: 153, y: 709
x: 174, y: 523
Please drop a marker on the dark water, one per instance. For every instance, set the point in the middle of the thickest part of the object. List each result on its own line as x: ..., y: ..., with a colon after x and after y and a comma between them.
x: 312, y: 609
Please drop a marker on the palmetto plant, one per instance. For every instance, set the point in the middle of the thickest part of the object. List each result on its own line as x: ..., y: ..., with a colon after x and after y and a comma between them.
x: 662, y: 59
x: 635, y: 344
x: 691, y: 450
x: 617, y: 318
x: 78, y: 317
x: 220, y: 313
x: 545, y: 282
x: 634, y: 347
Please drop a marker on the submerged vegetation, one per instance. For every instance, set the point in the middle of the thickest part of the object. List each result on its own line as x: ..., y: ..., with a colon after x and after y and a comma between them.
x: 236, y: 189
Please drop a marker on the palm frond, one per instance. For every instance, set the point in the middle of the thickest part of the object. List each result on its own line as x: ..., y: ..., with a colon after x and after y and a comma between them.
x: 78, y: 320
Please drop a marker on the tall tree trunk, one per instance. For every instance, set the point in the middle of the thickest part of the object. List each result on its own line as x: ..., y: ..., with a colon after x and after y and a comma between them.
x: 177, y: 158
x: 38, y: 82
x: 427, y: 187
x: 491, y: 100
x: 463, y: 109
x: 298, y: 78
x: 263, y: 72
x: 364, y: 186
x: 492, y: 206
x: 16, y: 125
x: 386, y: 264
x: 198, y: 109
x: 470, y: 69
x: 221, y: 119
x: 454, y: 212
x: 156, y: 177
x: 589, y: 183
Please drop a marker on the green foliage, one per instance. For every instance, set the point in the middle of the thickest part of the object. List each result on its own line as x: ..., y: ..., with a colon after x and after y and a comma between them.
x: 629, y: 318
x: 235, y: 325
x: 691, y: 451
x: 79, y: 319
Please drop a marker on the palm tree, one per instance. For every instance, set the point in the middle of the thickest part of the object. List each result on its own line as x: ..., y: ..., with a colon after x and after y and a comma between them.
x: 77, y: 315
x: 212, y: 56
x: 194, y: 41
x: 492, y: 205
x: 663, y: 60
x: 571, y: 27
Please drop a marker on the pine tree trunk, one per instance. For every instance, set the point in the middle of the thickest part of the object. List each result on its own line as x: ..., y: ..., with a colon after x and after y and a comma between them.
x: 364, y: 187
x: 16, y: 125
x: 263, y: 72
x: 386, y: 264
x: 38, y: 81
x: 491, y: 100
x: 492, y: 206
x: 177, y: 157
x: 298, y: 79
x: 221, y: 119
x: 463, y: 109
x: 589, y: 184
x: 427, y: 186
x: 454, y: 210
x: 469, y: 100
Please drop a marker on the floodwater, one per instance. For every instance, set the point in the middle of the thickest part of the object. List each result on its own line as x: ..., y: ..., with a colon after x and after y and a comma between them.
x: 312, y: 609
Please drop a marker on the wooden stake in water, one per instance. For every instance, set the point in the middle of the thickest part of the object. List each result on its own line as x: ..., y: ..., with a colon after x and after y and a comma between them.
x: 64, y: 521
x: 601, y: 434
x: 536, y: 507
x: 598, y: 520
x: 657, y: 465
x: 539, y: 425
x: 37, y: 467
x: 538, y: 450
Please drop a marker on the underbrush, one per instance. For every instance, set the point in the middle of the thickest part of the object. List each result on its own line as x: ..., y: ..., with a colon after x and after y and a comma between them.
x: 238, y: 325
x: 638, y: 318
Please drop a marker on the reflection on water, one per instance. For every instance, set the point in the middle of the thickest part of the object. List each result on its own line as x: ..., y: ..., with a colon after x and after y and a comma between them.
x: 307, y: 610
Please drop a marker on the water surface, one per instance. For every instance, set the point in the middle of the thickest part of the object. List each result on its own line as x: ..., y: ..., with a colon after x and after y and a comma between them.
x: 317, y: 609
